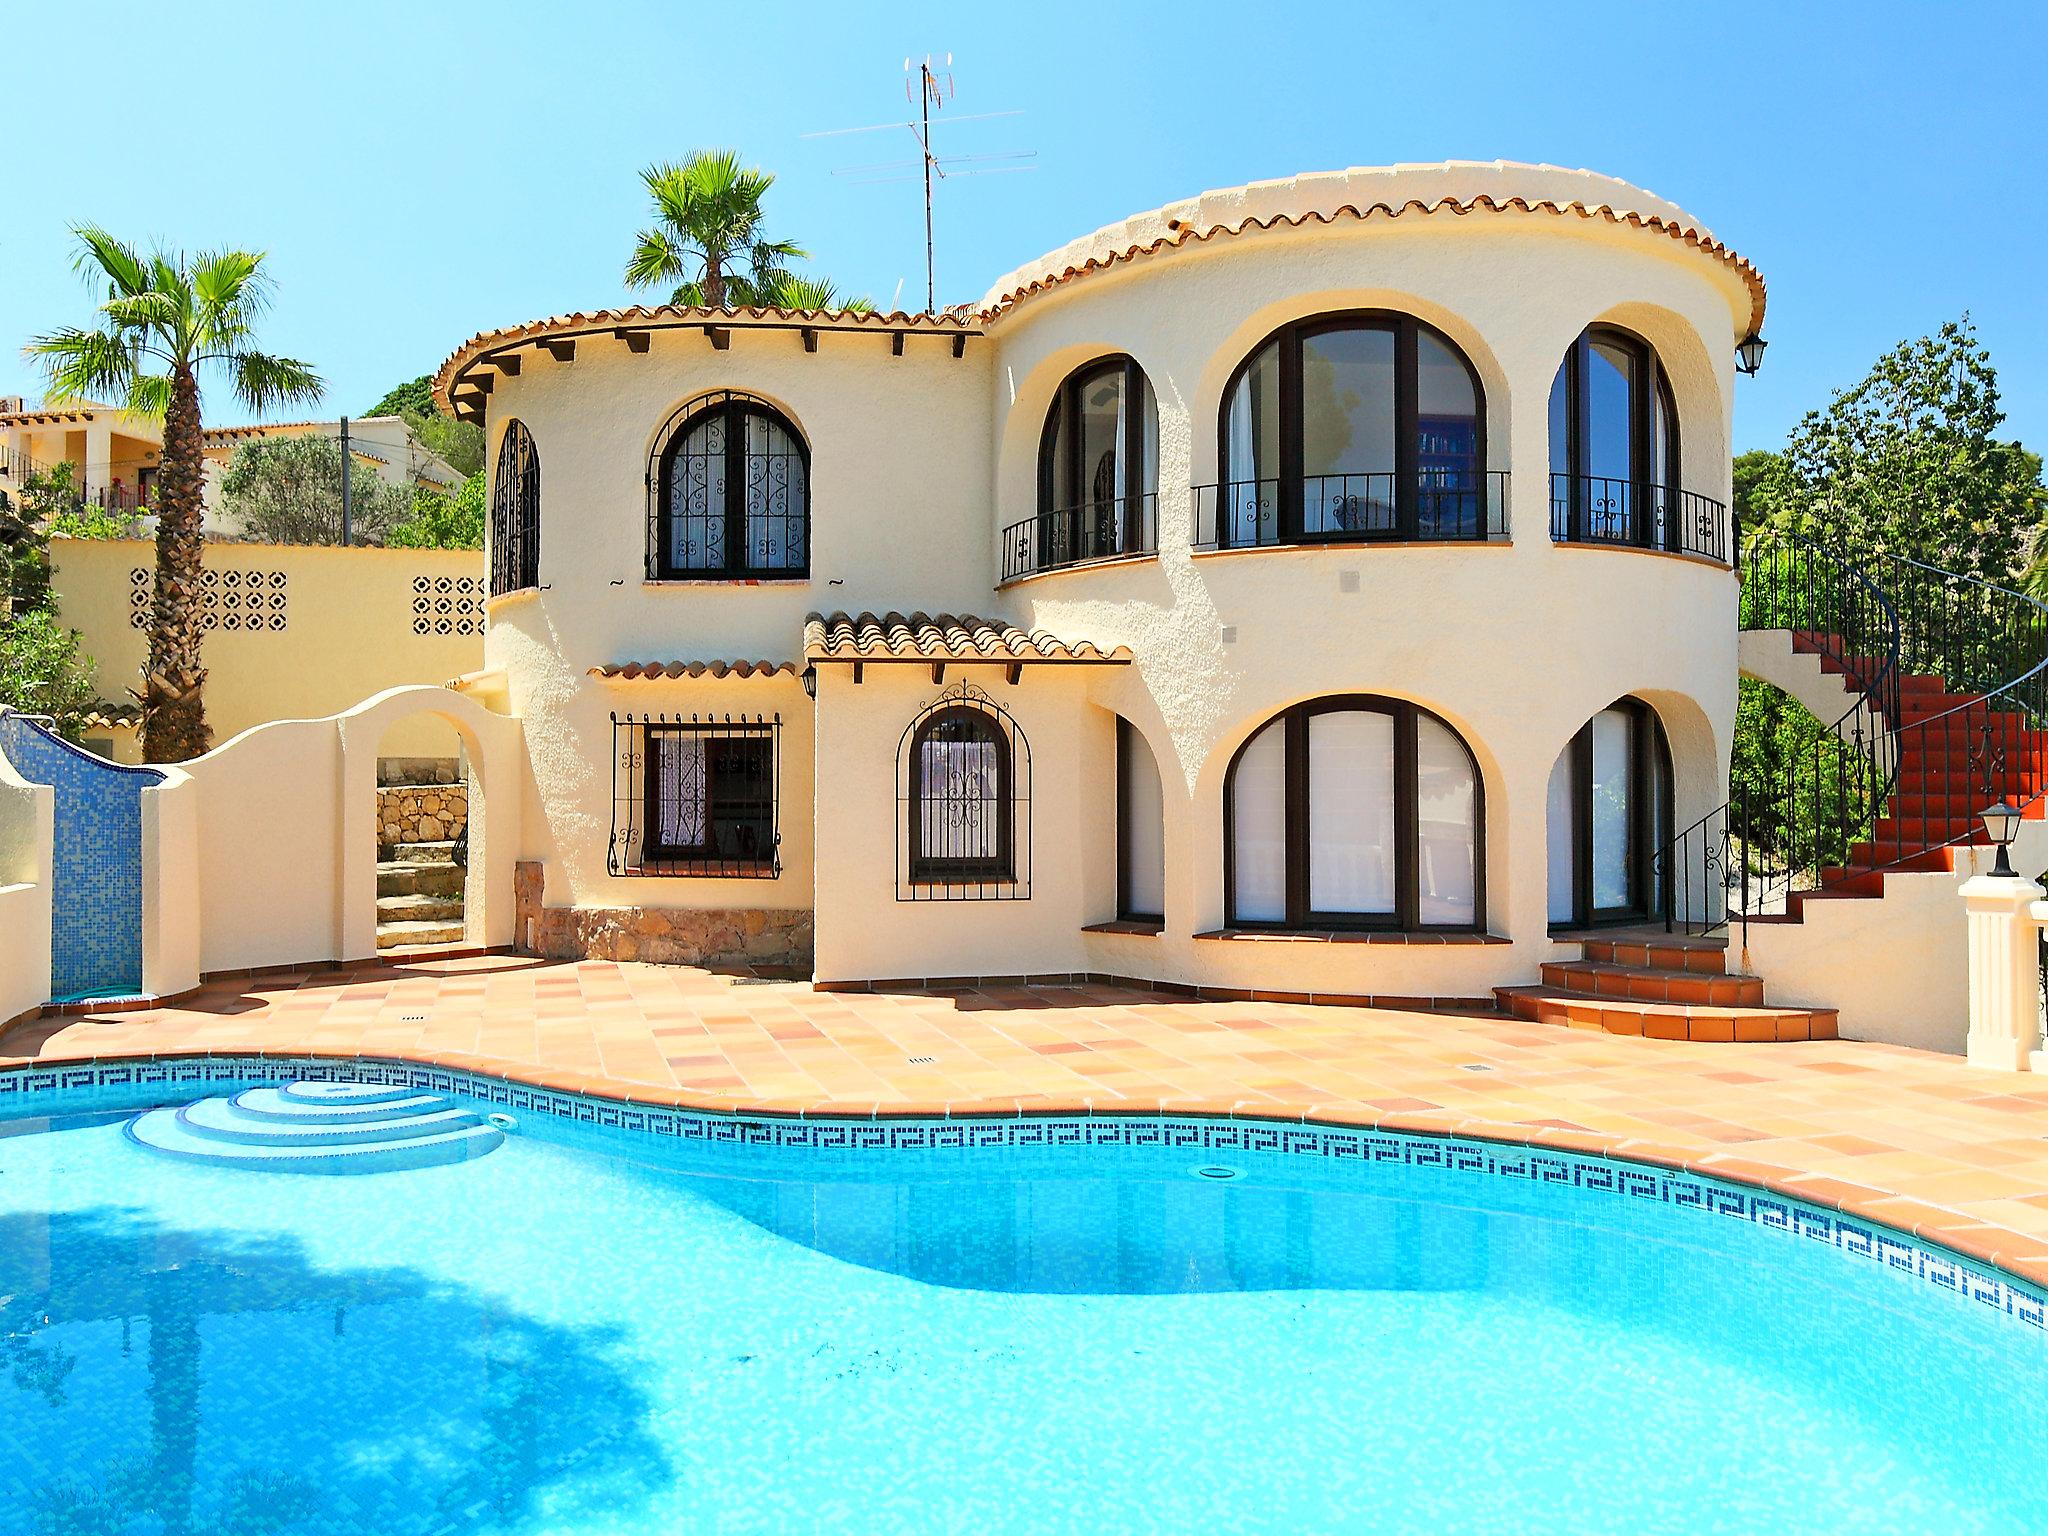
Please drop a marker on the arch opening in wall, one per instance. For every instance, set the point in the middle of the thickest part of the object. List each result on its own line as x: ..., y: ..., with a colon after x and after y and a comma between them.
x: 728, y: 493
x: 1615, y: 464
x: 1140, y: 829
x: 1355, y: 812
x: 427, y: 794
x: 1098, y: 473
x: 515, y: 513
x: 1608, y: 820
x: 963, y: 825
x: 1352, y: 427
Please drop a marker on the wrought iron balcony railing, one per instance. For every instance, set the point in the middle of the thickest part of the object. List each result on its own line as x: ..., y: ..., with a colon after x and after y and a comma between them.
x: 1600, y: 509
x: 1094, y: 530
x: 1439, y: 504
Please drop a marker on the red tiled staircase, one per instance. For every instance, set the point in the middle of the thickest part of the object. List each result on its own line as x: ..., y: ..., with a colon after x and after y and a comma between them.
x: 1667, y: 988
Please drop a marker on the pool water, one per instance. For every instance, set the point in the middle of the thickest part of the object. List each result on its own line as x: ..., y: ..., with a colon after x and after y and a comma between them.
x: 559, y: 1337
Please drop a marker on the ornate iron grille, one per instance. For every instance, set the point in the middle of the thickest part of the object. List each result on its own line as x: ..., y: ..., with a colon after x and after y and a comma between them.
x: 515, y: 513
x: 1109, y: 529
x: 696, y: 795
x: 728, y: 493
x: 963, y: 800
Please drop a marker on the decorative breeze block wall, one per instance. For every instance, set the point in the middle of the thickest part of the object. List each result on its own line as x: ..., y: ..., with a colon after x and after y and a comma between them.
x: 254, y: 601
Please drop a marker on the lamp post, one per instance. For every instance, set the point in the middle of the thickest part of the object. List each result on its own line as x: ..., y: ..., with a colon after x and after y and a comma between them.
x: 2002, y: 822
x: 1749, y: 353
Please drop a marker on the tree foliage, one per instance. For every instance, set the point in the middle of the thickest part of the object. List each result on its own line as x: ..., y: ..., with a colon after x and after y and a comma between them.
x: 444, y: 522
x: 42, y: 670
x: 709, y: 246
x: 287, y: 490
x: 459, y: 444
x: 1909, y: 462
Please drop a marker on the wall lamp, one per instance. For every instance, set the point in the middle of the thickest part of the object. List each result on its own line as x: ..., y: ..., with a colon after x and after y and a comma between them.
x: 1749, y: 352
x: 2002, y: 821
x: 810, y: 680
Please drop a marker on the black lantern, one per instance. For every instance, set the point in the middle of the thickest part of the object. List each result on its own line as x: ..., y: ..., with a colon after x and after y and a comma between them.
x: 2002, y: 821
x: 810, y: 678
x: 1749, y: 352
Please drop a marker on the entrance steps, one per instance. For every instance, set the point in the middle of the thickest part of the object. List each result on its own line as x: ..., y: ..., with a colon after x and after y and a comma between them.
x: 419, y: 895
x: 1664, y: 988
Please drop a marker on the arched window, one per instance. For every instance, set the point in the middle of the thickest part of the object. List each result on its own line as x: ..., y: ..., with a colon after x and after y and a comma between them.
x: 732, y: 494
x: 1614, y: 445
x: 1098, y: 466
x: 515, y: 513
x: 1608, y: 819
x: 1349, y: 427
x: 1140, y: 828
x: 1355, y: 812
x: 964, y: 779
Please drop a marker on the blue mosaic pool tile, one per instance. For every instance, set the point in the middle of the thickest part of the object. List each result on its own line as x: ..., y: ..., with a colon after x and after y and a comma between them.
x: 96, y: 884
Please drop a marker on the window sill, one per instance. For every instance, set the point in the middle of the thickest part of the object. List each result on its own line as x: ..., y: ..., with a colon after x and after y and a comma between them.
x: 1710, y: 561
x: 725, y: 581
x: 684, y: 871
x: 1135, y: 927
x: 1349, y: 546
x: 1144, y: 557
x: 1343, y: 936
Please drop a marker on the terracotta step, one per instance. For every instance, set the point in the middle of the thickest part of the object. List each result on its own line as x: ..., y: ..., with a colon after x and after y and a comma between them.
x: 1672, y: 952
x: 1912, y: 856
x: 1653, y: 985
x: 1958, y: 801
x: 1665, y: 1021
x: 1926, y: 831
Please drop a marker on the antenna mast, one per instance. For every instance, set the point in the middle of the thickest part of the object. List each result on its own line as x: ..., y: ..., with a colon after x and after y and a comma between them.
x: 929, y: 87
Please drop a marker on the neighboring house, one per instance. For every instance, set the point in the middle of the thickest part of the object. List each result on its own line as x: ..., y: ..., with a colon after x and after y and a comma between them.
x: 115, y: 454
x: 1319, y: 587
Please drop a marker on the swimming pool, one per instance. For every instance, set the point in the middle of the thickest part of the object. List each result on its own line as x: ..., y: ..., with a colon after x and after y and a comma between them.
x: 1149, y: 1325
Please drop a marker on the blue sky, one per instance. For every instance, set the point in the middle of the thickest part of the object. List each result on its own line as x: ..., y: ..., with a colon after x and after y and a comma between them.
x: 418, y: 172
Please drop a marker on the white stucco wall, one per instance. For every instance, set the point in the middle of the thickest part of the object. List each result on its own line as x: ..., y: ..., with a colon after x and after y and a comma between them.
x: 28, y: 832
x: 918, y: 461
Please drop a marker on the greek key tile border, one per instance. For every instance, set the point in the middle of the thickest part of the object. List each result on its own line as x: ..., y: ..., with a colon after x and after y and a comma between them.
x: 1947, y: 1272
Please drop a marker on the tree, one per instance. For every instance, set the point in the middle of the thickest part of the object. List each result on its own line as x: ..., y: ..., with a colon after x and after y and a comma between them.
x: 42, y: 671
x: 169, y: 315
x: 459, y: 444
x: 1910, y: 463
x: 444, y: 522
x: 707, y: 238
x: 287, y: 490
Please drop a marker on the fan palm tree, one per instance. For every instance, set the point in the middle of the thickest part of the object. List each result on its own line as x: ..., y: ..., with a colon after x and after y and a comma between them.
x: 707, y: 241
x: 168, y: 315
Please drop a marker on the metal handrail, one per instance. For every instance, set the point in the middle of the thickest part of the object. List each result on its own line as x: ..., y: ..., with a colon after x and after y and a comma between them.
x: 1103, y: 528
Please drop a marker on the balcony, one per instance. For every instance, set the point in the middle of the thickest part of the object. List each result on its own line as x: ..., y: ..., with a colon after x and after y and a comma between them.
x: 1599, y: 509
x: 1113, y: 529
x: 1436, y: 505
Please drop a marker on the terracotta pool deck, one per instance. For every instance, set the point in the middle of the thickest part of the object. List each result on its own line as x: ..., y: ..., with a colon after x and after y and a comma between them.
x: 1919, y: 1141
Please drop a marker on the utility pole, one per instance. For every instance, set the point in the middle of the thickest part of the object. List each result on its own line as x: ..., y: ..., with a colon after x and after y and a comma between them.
x: 924, y: 142
x: 348, y: 498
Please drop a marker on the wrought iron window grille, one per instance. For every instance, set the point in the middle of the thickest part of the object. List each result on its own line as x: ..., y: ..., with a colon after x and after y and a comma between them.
x: 515, y: 513
x: 728, y: 493
x: 696, y: 795
x: 963, y: 800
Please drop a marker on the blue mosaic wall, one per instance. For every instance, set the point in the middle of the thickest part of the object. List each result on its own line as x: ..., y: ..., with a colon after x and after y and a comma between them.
x: 96, y: 886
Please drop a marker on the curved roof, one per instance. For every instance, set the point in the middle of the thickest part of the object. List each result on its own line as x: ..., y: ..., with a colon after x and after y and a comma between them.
x: 1458, y: 187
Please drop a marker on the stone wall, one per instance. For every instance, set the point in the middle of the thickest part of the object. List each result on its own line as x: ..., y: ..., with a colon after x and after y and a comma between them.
x: 664, y: 935
x: 421, y: 813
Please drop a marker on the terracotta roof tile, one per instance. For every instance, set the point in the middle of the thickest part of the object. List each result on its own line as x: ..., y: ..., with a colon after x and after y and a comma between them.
x: 662, y: 671
x: 114, y: 717
x: 940, y: 637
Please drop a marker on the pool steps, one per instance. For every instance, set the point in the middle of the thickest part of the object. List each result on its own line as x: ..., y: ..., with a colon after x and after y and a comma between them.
x: 319, y: 1128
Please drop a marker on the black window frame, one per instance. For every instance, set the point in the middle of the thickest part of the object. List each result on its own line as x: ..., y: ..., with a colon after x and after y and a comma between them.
x: 737, y: 565
x: 515, y: 512
x: 943, y: 869
x: 1301, y: 917
x: 1654, y: 501
x: 1063, y: 523
x: 635, y: 848
x: 1128, y: 737
x: 1650, y: 811
x: 1407, y: 330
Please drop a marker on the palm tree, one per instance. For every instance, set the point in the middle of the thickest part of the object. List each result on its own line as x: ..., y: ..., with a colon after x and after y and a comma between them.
x: 707, y: 240
x: 166, y: 316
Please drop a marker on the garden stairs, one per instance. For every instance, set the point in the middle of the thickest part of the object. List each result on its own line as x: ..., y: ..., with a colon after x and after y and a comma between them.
x: 1674, y: 987
x: 419, y: 895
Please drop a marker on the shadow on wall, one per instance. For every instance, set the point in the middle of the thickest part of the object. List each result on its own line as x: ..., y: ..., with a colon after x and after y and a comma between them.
x: 96, y: 879
x: 325, y: 1399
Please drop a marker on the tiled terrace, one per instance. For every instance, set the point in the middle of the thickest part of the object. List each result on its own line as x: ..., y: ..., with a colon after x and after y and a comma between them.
x: 1920, y: 1141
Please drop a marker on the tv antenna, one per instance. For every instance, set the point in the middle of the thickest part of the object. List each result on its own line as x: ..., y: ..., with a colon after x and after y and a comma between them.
x: 928, y: 88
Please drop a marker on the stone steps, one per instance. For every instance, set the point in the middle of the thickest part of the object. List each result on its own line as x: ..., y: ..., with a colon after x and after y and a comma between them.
x: 398, y: 935
x: 398, y: 877
x: 420, y: 895
x: 1665, y: 1021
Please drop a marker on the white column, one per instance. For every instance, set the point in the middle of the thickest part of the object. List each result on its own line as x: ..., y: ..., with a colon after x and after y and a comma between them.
x: 2005, y: 982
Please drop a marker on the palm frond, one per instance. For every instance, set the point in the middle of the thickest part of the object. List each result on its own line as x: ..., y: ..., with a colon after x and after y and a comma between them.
x: 263, y: 382
x: 99, y: 253
x: 142, y: 312
x: 655, y: 260
x: 79, y: 364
